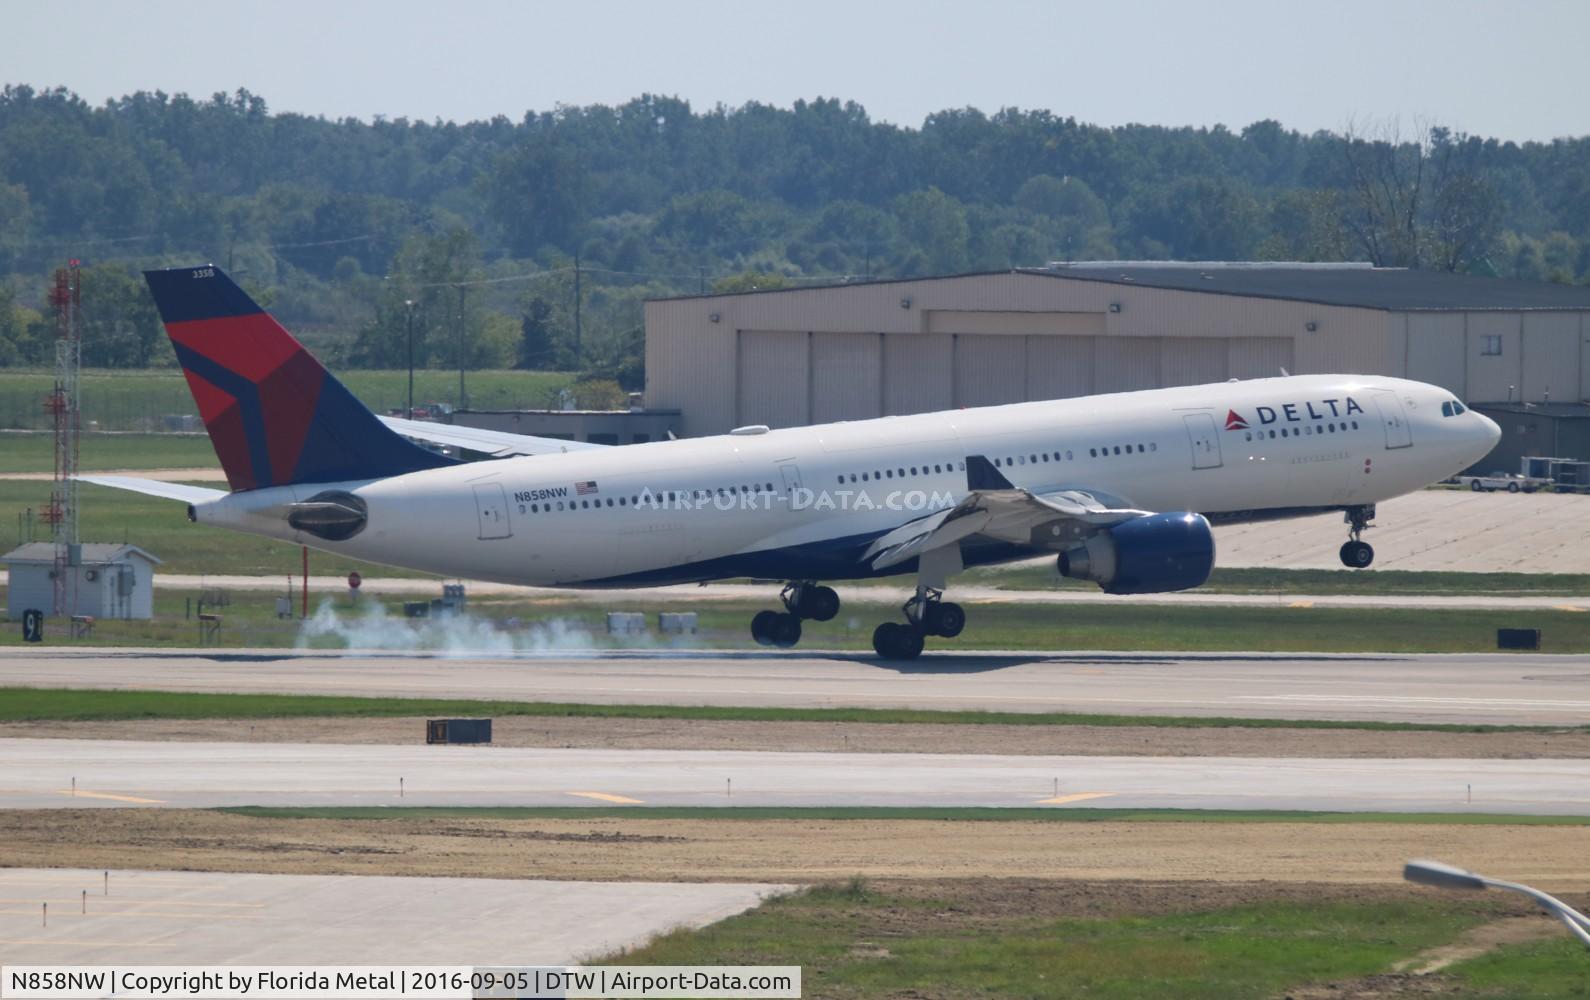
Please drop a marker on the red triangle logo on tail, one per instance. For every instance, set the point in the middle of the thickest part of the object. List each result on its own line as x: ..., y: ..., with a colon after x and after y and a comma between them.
x: 1234, y: 421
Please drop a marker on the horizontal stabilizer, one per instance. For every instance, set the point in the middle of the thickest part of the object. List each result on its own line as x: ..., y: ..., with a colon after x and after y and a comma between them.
x: 498, y: 444
x: 156, y: 488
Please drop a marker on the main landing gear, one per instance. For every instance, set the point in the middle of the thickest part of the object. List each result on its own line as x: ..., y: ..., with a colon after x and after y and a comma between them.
x: 926, y: 614
x: 801, y: 600
x: 1358, y: 554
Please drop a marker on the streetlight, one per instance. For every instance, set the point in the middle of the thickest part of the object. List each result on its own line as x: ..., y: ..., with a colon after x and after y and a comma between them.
x: 1445, y: 876
x: 408, y: 304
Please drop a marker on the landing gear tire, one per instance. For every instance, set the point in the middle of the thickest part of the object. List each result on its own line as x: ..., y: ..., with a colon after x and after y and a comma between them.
x: 943, y: 618
x: 762, y: 627
x: 820, y: 604
x: 1357, y: 555
x: 894, y: 641
x: 784, y: 631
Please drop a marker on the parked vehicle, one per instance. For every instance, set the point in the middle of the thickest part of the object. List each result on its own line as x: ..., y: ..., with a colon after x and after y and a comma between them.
x: 1512, y: 482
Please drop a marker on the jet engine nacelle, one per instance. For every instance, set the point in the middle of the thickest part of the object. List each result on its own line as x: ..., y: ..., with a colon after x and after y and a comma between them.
x: 1151, y: 554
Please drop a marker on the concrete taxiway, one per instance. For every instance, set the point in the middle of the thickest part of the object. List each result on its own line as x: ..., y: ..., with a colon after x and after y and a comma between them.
x: 1496, y: 689
x: 42, y: 773
x: 202, y: 918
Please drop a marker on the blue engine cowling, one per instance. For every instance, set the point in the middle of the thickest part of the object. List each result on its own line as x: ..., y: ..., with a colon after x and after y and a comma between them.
x: 1151, y: 554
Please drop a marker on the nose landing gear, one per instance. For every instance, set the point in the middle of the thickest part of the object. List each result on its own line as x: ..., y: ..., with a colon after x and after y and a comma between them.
x: 1357, y: 554
x: 801, y: 600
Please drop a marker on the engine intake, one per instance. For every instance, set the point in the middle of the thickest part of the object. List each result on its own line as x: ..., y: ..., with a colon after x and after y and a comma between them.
x: 1146, y: 555
x: 334, y: 515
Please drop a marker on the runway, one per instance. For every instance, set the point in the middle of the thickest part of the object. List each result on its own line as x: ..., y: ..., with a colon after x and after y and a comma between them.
x: 203, y: 918
x: 1467, y: 689
x: 43, y: 774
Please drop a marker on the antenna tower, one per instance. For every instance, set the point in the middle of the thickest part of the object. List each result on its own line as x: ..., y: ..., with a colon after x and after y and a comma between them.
x: 66, y: 296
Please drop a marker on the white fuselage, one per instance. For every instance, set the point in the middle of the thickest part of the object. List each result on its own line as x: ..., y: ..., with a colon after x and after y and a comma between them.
x: 803, y: 503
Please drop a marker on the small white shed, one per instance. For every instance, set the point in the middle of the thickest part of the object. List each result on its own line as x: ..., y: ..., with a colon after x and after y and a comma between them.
x: 110, y: 580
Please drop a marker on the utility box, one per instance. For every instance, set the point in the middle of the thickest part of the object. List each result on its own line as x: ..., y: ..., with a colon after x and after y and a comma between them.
x: 676, y: 622
x: 625, y: 623
x: 1518, y: 638
x: 458, y: 731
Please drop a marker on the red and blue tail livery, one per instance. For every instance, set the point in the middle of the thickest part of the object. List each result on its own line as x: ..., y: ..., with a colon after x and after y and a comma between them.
x: 275, y: 415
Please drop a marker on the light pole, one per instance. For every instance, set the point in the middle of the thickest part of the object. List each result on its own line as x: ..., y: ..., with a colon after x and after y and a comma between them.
x: 1445, y: 876
x: 408, y: 304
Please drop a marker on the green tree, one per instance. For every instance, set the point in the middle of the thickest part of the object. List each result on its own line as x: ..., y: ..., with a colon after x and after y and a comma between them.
x: 436, y: 274
x: 934, y: 233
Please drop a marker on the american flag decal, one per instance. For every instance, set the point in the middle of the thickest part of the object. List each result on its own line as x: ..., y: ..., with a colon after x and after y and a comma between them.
x: 585, y: 489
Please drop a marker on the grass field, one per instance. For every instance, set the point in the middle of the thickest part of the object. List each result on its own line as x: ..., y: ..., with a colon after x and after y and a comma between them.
x: 34, y: 451
x: 967, y: 815
x: 141, y: 400
x: 854, y: 940
x: 1554, y: 969
x: 21, y: 704
x: 506, y: 625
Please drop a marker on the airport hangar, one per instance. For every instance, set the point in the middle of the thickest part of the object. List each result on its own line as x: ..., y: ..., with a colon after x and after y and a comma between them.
x: 1516, y: 350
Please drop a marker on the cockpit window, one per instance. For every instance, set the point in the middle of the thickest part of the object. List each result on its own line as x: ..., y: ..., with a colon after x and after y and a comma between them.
x: 1458, y: 408
x: 1452, y: 408
x: 1446, y: 408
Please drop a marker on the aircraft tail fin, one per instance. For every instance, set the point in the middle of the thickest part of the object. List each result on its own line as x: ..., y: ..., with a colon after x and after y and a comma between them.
x: 276, y: 417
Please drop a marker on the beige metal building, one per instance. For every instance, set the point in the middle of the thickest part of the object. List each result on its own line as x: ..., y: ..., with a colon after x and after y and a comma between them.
x: 843, y: 352
x: 106, y: 580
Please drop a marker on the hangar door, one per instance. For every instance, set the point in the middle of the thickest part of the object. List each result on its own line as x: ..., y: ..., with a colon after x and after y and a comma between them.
x: 772, y: 378
x: 846, y: 382
x: 990, y: 369
x: 1260, y: 357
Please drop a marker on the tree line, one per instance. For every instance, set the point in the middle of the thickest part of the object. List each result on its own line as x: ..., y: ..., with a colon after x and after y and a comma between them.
x: 533, y: 243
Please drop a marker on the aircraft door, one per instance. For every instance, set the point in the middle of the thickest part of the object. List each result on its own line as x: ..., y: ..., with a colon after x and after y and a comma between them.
x: 1392, y: 418
x: 792, y: 479
x: 1204, y: 439
x: 491, y: 508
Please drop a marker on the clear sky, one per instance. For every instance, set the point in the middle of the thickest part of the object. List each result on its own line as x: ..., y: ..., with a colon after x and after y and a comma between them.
x: 1514, y: 70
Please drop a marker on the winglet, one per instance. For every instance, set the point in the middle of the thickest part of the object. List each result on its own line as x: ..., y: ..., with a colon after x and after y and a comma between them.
x: 981, y: 475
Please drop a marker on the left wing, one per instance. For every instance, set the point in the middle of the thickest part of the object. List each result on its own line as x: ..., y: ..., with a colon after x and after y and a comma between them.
x: 997, y: 509
x: 497, y: 444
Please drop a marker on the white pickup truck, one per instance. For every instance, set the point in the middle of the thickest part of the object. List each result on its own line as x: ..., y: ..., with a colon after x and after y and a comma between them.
x: 1512, y: 482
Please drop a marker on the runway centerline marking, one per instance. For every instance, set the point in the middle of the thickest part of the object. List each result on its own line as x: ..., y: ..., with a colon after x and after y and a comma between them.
x: 605, y: 797
x: 1061, y: 800
x: 79, y: 793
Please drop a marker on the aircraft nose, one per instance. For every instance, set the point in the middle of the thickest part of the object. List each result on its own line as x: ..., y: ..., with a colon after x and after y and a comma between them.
x: 1493, y: 432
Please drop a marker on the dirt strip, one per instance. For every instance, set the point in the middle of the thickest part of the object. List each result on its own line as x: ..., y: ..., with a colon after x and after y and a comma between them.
x: 686, y: 734
x: 647, y: 849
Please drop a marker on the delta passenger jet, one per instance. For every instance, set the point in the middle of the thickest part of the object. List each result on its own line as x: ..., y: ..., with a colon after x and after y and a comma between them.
x: 1120, y: 488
